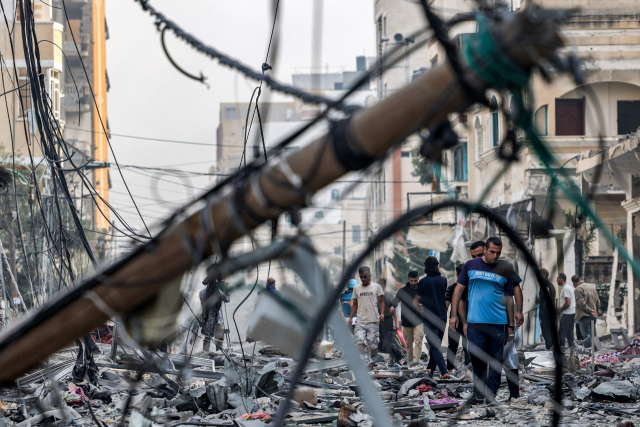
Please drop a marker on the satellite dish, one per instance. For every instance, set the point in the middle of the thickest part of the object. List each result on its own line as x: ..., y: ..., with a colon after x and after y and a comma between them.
x: 398, y: 37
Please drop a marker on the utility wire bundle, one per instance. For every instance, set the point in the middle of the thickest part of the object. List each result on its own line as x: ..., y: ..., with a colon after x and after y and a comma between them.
x: 266, y: 190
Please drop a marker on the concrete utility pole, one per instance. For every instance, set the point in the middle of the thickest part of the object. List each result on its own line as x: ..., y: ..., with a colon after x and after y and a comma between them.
x: 279, y: 187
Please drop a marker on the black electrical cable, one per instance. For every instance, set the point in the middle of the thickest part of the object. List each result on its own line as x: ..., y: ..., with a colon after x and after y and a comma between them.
x: 258, y: 89
x: 162, y: 23
x: 64, y: 7
x: 400, y: 223
x: 200, y: 78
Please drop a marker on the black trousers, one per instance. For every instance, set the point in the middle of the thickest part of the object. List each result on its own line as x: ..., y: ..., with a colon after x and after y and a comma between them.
x: 545, y: 330
x: 566, y: 328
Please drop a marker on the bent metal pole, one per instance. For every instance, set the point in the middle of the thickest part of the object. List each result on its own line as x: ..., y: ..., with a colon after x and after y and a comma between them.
x: 283, y: 186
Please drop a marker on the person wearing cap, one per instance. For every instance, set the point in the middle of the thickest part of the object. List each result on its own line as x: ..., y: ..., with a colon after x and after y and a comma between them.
x: 410, y: 319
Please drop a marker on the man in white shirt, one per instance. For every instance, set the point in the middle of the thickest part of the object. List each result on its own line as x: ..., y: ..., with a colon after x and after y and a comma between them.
x: 368, y: 303
x: 568, y: 309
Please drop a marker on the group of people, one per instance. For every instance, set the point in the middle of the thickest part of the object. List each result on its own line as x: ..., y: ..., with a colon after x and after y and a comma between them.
x: 579, y: 310
x: 483, y: 315
x: 481, y: 310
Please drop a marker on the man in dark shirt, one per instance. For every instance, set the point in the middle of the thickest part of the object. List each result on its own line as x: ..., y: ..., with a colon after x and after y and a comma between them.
x: 431, y: 293
x: 410, y: 318
x: 545, y: 311
x: 389, y: 326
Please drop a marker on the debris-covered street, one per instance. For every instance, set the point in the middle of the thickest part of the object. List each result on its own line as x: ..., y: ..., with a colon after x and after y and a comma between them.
x: 362, y: 213
x: 216, y: 391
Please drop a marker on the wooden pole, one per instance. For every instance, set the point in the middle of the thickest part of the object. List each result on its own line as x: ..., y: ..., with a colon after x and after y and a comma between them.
x: 142, y: 274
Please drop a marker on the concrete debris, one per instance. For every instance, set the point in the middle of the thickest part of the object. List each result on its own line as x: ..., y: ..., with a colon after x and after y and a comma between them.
x: 618, y: 391
x: 232, y: 391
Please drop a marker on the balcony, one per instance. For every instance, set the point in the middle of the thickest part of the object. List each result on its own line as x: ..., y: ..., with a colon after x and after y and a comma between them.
x: 83, y: 41
x: 74, y: 97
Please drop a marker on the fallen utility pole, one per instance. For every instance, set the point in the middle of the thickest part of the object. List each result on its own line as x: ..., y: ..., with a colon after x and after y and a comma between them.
x: 286, y: 185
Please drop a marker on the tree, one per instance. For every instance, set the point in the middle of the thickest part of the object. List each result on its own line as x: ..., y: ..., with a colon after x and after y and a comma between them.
x: 407, y: 257
x: 422, y: 170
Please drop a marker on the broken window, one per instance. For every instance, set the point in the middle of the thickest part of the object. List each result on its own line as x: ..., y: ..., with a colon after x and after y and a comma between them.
x: 628, y: 117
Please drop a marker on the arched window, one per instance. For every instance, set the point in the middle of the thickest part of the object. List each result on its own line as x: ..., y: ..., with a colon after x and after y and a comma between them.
x: 335, y: 194
x: 495, y: 125
x: 540, y: 120
x: 479, y: 133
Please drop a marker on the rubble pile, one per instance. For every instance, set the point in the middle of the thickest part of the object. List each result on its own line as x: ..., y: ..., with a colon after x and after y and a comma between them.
x: 232, y: 390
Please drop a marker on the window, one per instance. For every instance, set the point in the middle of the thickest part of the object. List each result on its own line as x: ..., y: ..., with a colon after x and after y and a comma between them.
x: 380, y: 35
x: 319, y: 214
x: 287, y: 218
x: 230, y: 113
x: 384, y: 26
x: 337, y: 250
x: 406, y: 154
x: 460, y: 163
x: 569, y: 117
x: 434, y: 62
x: 479, y: 133
x: 628, y: 117
x: 495, y: 122
x: 437, y: 173
x: 54, y: 92
x: 541, y: 121
x: 23, y: 94
x: 335, y: 194
x: 356, y: 234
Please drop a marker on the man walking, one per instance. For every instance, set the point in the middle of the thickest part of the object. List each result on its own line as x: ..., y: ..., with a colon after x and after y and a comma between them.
x: 490, y: 319
x: 431, y: 293
x: 410, y: 317
x: 587, y: 303
x: 212, y: 321
x: 368, y: 303
x: 568, y: 310
x: 545, y: 310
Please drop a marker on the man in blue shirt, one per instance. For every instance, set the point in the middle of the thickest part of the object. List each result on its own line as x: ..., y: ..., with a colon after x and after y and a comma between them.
x: 490, y: 320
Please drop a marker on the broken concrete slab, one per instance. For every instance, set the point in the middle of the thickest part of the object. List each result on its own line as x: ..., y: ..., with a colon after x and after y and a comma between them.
x: 305, y: 394
x: 617, y: 391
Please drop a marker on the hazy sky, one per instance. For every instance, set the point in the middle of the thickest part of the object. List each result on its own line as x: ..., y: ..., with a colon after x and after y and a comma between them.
x: 149, y: 98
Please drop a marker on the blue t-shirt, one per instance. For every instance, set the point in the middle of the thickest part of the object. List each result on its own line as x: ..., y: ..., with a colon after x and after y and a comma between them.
x: 488, y: 286
x: 432, y: 290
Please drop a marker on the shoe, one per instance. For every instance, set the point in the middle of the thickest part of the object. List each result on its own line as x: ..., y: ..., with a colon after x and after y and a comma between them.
x: 445, y: 376
x: 473, y: 400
